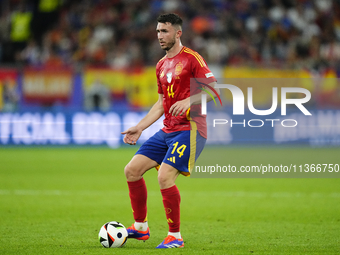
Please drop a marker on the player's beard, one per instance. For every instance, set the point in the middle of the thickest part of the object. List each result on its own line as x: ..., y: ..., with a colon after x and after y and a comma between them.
x: 170, y: 44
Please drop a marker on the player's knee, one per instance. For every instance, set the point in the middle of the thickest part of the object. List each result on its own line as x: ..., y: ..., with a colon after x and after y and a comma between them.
x: 131, y: 173
x: 164, y: 181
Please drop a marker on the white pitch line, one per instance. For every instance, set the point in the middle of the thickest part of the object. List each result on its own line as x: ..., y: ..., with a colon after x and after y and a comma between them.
x: 156, y: 193
x: 33, y: 192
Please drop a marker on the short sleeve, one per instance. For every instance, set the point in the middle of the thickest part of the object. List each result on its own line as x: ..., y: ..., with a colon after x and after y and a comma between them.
x: 160, y: 90
x: 200, y: 69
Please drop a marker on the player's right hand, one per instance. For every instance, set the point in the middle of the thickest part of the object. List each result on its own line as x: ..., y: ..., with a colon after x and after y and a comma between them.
x: 132, y: 135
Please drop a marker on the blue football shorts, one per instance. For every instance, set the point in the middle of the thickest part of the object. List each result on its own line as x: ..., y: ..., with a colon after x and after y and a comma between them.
x: 179, y: 149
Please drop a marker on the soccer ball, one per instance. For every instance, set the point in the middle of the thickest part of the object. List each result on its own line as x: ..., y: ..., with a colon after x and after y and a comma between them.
x: 113, y: 234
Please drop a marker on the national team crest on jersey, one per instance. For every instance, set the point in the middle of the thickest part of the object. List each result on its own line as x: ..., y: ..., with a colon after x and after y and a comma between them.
x: 179, y: 68
x: 169, y: 77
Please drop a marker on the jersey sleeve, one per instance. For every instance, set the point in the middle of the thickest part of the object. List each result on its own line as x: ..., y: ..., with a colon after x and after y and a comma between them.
x: 200, y: 69
x: 160, y: 91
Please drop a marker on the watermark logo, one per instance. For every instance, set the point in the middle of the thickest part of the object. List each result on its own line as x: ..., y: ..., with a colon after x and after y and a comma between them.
x: 204, y: 96
x: 239, y: 99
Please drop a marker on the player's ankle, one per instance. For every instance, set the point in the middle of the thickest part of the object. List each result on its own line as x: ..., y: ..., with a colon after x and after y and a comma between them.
x: 177, y: 235
x: 141, y: 226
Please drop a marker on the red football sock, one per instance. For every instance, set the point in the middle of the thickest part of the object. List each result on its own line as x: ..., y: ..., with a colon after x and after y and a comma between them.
x: 138, y: 195
x: 171, y: 202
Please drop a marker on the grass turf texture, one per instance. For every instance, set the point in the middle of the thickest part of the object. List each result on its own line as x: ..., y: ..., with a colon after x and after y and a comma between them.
x: 54, y: 201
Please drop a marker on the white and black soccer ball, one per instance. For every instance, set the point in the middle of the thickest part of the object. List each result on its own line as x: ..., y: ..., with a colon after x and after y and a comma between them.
x: 113, y: 234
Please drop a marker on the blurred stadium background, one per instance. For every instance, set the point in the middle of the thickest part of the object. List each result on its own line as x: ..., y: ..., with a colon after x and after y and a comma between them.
x: 79, y: 72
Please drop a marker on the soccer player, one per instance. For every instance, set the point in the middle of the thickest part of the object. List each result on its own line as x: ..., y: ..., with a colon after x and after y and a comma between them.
x: 173, y: 149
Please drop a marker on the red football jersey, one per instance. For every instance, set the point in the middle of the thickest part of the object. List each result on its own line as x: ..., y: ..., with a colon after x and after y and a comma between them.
x: 173, y: 78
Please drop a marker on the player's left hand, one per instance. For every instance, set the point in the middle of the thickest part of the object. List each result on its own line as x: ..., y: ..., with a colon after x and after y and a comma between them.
x: 180, y: 107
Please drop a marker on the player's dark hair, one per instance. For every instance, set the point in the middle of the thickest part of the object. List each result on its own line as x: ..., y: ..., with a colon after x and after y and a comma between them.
x: 172, y: 18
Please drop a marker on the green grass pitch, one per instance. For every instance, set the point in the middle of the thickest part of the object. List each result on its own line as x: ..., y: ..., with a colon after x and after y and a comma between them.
x: 54, y: 201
